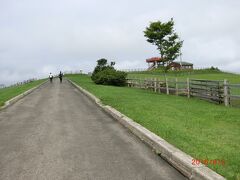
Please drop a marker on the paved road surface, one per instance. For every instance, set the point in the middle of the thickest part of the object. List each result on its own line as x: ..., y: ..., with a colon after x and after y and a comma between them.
x: 58, y: 133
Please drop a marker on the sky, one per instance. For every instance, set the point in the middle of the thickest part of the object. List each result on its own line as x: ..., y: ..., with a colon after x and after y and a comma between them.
x: 42, y: 36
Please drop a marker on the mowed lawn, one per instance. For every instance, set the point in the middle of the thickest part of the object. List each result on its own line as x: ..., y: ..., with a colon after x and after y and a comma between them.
x: 199, y: 128
x: 219, y: 76
x: 10, y: 92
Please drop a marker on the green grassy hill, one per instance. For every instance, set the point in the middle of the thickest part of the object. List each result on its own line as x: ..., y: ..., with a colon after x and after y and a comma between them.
x: 10, y: 92
x: 205, y: 131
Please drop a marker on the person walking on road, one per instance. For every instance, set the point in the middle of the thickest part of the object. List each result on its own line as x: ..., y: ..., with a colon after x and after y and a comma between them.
x: 60, y: 76
x: 51, y: 77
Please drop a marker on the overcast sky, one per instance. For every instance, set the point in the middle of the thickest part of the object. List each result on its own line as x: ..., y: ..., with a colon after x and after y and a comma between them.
x: 42, y: 36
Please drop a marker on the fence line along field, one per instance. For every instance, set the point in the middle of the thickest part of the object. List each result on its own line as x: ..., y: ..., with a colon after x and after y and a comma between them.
x: 214, y: 91
x: 183, y: 75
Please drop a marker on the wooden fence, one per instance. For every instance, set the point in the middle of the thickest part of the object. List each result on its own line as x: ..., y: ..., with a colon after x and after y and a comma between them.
x: 209, y: 90
x: 214, y: 91
x: 234, y: 95
x: 168, y: 86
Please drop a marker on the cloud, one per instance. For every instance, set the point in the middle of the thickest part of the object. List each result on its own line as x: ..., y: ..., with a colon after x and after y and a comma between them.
x: 41, y: 36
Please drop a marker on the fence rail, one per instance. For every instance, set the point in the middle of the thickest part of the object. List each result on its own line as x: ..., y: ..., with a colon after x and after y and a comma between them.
x: 209, y: 90
x: 234, y: 94
x: 220, y: 92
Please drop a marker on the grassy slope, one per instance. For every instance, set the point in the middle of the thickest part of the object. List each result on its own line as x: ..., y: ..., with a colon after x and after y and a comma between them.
x: 199, y: 128
x: 10, y: 92
x: 232, y: 78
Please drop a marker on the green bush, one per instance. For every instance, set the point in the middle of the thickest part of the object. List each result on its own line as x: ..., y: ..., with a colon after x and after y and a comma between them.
x: 110, y: 76
x: 106, y: 74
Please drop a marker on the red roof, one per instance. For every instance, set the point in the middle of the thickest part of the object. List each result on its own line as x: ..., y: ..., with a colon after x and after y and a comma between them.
x: 154, y: 59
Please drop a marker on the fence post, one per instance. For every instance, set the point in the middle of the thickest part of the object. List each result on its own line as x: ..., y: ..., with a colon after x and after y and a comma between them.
x: 176, y: 81
x: 188, y: 88
x: 134, y: 82
x: 226, y: 93
x: 159, y: 86
x: 145, y: 83
x: 167, y: 89
x: 152, y: 83
x: 155, y: 85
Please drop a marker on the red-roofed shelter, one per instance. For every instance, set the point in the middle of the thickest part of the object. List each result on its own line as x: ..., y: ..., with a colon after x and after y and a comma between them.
x: 154, y: 59
x: 155, y: 62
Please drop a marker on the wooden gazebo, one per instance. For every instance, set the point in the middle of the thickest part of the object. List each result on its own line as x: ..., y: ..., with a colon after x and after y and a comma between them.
x: 155, y: 62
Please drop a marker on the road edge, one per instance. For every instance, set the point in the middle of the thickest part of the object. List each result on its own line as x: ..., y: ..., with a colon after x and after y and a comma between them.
x: 20, y: 96
x: 174, y: 156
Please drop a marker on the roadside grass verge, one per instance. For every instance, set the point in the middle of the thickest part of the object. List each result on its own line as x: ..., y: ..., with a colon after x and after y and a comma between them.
x: 199, y: 128
x: 10, y: 92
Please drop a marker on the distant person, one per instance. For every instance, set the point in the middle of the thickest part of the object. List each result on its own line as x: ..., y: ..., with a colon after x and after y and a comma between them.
x: 51, y: 77
x: 60, y: 76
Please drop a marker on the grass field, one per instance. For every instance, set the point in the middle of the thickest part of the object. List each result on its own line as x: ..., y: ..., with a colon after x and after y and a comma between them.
x: 209, y: 75
x: 10, y: 92
x: 199, y: 128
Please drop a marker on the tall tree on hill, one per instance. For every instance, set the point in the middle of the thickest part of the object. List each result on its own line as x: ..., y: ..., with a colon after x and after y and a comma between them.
x: 165, y: 38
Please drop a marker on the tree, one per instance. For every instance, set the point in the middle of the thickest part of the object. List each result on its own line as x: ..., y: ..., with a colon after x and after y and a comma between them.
x: 165, y: 38
x: 106, y: 74
x: 101, y: 65
x: 112, y: 63
x: 102, y: 62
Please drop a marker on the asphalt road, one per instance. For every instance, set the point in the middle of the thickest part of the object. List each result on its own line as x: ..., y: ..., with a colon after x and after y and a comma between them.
x: 58, y: 133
